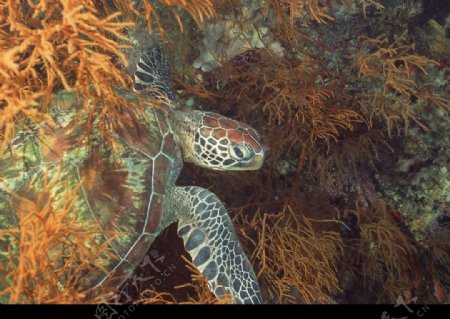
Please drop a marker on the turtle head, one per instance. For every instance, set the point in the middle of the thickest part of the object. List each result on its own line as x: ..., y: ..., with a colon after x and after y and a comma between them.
x: 214, y: 141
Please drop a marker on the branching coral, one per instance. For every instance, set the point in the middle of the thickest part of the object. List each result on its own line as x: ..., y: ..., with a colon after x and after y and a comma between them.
x: 345, y: 158
x: 47, y: 255
x: 313, y: 10
x: 286, y: 247
x: 198, y: 10
x: 299, y: 110
x: 67, y: 44
x: 53, y: 44
x: 396, y: 69
x: 199, y: 285
x: 387, y: 257
x: 323, y: 119
x: 295, y: 100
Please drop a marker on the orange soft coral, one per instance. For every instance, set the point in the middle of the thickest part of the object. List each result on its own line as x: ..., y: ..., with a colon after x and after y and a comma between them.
x: 298, y: 109
x: 50, y: 251
x: 286, y: 246
x: 386, y: 256
x: 397, y: 70
x: 75, y: 45
x: 198, y: 10
x: 50, y: 45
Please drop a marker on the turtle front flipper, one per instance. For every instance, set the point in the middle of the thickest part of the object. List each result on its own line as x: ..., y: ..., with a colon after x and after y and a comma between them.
x: 210, y: 239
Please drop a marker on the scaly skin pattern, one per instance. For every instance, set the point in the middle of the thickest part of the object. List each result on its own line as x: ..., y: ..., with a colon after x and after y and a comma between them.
x: 129, y: 190
x: 152, y: 71
x: 122, y: 190
x: 216, y: 142
x: 227, y: 144
x: 211, y: 241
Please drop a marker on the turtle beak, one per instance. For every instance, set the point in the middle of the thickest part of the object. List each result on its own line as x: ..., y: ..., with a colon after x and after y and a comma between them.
x: 257, y: 162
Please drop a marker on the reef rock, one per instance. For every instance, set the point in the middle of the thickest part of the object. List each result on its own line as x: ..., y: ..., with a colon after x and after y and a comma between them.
x: 232, y: 35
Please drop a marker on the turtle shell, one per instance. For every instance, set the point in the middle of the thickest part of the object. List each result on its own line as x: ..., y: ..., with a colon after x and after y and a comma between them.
x: 122, y: 187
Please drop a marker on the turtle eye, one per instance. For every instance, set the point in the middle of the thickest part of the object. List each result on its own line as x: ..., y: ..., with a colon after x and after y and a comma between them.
x: 241, y: 151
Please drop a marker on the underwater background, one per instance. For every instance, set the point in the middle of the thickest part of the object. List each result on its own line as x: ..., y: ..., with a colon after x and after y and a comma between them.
x: 351, y: 98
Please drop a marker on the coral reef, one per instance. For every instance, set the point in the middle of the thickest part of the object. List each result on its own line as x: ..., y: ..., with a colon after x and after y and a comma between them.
x: 48, y: 252
x: 345, y: 109
x: 417, y: 181
x: 386, y: 257
x: 287, y: 246
x: 396, y: 70
x: 52, y: 45
x: 232, y: 35
x: 202, y: 294
x: 351, y: 205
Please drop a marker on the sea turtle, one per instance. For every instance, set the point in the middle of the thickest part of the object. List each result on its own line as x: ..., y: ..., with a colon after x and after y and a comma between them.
x: 132, y: 190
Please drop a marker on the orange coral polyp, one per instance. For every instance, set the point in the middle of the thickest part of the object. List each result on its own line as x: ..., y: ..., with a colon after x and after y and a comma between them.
x: 397, y: 69
x: 47, y: 230
x: 65, y: 43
